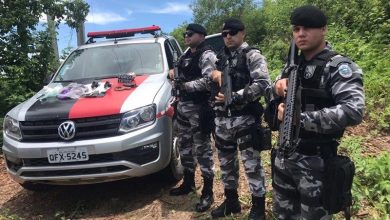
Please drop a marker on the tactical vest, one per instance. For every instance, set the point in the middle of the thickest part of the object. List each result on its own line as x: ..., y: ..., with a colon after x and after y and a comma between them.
x: 316, y: 93
x: 239, y: 69
x: 240, y: 76
x: 189, y: 70
x: 189, y: 64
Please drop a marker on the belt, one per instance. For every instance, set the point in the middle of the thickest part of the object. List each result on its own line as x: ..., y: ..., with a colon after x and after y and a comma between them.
x: 325, y: 149
x: 233, y: 113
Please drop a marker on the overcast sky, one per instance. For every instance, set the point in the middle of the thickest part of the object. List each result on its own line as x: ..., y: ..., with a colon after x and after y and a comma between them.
x: 123, y: 14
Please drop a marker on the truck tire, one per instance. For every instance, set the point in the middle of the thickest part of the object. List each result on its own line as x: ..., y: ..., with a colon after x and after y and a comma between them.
x: 174, y: 171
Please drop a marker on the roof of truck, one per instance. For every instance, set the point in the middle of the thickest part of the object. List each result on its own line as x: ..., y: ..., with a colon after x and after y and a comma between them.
x: 148, y: 34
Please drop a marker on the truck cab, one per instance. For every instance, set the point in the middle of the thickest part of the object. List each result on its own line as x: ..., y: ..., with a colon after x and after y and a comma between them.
x: 105, y: 115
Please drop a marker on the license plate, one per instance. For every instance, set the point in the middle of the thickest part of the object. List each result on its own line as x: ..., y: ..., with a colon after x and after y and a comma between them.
x: 67, y: 155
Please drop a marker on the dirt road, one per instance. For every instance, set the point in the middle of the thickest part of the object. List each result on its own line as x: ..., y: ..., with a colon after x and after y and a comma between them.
x: 139, y: 198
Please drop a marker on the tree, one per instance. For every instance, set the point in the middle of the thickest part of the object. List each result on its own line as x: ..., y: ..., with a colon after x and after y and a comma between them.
x: 178, y: 34
x: 369, y: 19
x: 211, y: 14
x: 277, y: 17
x: 26, y: 56
x: 65, y: 52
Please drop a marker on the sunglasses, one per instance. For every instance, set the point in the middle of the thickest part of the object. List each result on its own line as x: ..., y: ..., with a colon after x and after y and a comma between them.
x: 231, y: 33
x: 188, y: 34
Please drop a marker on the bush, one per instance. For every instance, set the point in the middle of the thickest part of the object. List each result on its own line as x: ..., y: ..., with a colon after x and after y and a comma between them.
x: 275, y: 51
x: 373, y: 59
x: 371, y: 183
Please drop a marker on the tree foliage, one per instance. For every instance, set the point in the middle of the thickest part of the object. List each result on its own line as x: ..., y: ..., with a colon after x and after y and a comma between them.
x: 26, y: 56
x: 277, y: 18
x: 357, y: 28
x: 178, y: 34
x: 211, y: 15
x: 369, y: 19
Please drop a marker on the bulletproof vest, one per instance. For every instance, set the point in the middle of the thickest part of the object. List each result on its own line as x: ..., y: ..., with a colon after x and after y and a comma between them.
x: 189, y: 70
x: 316, y: 94
x: 189, y: 64
x: 236, y: 66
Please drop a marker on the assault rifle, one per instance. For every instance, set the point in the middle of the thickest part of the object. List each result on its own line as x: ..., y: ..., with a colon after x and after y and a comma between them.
x: 289, y: 128
x: 226, y: 87
x: 176, y: 79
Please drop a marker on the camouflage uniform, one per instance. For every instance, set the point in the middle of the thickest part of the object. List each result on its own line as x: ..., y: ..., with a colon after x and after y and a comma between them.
x: 233, y: 131
x: 297, y: 181
x: 192, y: 140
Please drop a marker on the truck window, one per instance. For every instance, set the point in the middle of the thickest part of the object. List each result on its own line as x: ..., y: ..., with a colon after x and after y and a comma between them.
x: 143, y: 58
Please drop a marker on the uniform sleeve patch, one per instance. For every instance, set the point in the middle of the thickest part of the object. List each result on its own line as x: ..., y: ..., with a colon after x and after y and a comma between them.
x: 345, y: 71
x: 264, y: 68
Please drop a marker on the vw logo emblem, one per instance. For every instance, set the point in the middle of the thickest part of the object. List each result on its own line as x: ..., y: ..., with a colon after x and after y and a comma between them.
x: 67, y: 130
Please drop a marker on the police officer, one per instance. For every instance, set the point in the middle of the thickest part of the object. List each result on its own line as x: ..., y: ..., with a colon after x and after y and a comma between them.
x: 195, y: 68
x: 238, y: 124
x: 332, y: 99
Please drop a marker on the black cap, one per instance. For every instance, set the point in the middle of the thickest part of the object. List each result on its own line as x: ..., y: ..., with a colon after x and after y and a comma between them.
x: 308, y: 16
x: 197, y: 28
x: 233, y: 24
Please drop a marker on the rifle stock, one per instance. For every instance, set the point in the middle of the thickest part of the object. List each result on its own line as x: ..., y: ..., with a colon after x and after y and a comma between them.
x: 289, y: 128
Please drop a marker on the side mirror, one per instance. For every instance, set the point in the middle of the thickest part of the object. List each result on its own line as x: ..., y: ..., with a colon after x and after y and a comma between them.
x: 48, y: 78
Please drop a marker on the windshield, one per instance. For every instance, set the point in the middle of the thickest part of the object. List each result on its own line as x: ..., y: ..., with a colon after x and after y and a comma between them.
x: 112, y: 60
x: 216, y: 42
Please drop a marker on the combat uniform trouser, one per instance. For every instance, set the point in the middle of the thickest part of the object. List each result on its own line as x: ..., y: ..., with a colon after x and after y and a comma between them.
x: 192, y: 141
x: 231, y: 133
x: 297, y: 185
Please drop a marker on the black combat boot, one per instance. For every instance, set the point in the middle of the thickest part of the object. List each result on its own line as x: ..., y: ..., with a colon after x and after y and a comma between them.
x: 207, y: 198
x: 229, y: 206
x: 187, y: 186
x: 258, y: 208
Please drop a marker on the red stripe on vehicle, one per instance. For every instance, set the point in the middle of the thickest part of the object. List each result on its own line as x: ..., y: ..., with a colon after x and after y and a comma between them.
x: 110, y: 104
x: 169, y: 111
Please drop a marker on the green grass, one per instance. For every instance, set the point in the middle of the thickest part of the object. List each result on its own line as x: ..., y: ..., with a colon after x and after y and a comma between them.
x: 371, y: 185
x: 5, y: 214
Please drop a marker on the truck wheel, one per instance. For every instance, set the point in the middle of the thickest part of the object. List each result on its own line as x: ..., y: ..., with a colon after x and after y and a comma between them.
x: 174, y: 171
x: 176, y: 166
x: 36, y: 187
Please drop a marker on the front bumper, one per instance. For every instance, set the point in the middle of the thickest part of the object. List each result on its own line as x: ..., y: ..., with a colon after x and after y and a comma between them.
x: 138, y: 153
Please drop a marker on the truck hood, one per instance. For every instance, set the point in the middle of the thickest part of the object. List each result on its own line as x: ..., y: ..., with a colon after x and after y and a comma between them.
x: 117, y: 99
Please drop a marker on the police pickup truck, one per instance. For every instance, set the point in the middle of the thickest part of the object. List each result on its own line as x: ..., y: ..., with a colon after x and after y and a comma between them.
x: 105, y: 115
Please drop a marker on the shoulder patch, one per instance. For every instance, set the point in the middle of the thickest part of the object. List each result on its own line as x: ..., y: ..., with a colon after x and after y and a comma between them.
x: 345, y: 71
x: 264, y: 68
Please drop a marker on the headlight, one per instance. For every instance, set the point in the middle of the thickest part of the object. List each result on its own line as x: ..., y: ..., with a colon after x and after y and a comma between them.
x: 11, y: 128
x: 138, y: 118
